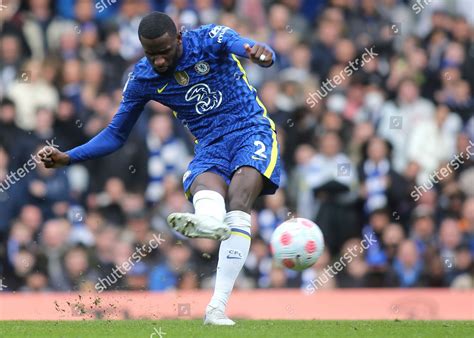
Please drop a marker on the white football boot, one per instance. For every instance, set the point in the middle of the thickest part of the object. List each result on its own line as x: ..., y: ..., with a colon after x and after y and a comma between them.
x: 216, y: 316
x: 198, y: 226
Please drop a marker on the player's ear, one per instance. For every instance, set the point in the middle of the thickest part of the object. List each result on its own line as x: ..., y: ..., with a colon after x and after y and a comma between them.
x: 179, y: 37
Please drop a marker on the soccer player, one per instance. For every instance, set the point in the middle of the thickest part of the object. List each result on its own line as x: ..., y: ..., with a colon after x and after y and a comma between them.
x: 198, y: 75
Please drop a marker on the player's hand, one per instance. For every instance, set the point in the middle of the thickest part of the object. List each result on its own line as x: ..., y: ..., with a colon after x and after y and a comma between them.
x: 53, y: 158
x: 259, y: 54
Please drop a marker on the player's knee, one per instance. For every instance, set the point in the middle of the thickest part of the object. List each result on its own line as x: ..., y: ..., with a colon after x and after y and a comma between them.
x: 209, y: 181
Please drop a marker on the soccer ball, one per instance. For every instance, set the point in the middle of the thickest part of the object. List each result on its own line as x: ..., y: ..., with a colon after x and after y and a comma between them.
x: 297, y: 244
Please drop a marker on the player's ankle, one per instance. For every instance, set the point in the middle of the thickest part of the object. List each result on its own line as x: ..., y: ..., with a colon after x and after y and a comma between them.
x: 237, y: 218
x: 216, y: 304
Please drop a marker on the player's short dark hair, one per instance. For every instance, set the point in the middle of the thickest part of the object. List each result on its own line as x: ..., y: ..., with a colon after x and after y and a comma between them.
x: 155, y: 25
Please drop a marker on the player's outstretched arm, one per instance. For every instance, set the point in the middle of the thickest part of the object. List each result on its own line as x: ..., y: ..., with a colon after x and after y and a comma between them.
x: 109, y: 140
x: 106, y: 142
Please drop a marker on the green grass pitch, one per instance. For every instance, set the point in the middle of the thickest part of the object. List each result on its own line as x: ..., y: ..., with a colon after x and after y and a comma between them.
x: 243, y: 329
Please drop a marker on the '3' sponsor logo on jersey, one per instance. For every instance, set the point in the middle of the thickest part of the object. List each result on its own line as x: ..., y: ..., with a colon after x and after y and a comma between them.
x: 205, y: 98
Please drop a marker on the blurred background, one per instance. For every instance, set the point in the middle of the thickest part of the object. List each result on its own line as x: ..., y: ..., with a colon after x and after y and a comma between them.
x: 375, y: 155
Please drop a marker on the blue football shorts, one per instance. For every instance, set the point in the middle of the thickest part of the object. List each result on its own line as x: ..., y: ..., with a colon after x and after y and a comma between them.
x: 254, y: 147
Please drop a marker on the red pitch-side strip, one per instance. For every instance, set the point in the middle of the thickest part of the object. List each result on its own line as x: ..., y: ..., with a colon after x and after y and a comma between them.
x: 353, y: 304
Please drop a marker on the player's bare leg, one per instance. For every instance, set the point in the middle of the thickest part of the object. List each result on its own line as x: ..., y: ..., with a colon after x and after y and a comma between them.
x: 246, y: 185
x: 208, y: 191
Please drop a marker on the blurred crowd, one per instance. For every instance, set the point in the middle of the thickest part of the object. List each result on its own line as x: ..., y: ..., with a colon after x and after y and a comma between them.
x: 387, y: 152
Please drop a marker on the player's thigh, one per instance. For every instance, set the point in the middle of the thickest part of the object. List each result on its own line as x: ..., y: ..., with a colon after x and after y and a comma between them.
x: 209, y: 170
x: 209, y: 181
x: 245, y: 186
x: 255, y: 164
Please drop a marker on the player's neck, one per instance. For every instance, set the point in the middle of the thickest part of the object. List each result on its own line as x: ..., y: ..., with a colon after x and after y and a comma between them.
x: 180, y: 52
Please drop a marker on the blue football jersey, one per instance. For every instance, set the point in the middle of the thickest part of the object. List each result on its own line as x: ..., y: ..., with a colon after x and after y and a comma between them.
x: 209, y: 91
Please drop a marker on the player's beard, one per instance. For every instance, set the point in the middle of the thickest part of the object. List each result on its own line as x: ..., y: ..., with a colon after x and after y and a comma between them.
x: 168, y: 72
x: 171, y: 67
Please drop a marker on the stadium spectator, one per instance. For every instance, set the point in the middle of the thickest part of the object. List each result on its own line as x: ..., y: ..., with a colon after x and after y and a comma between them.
x: 408, y: 266
x: 165, y: 276
x: 167, y: 156
x: 381, y: 186
x: 273, y: 214
x: 355, y: 274
x: 331, y: 177
x: 402, y: 117
x: 79, y: 274
x: 258, y: 265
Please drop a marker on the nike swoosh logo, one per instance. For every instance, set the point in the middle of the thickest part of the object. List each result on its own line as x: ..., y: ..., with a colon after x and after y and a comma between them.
x: 161, y: 90
x: 233, y: 257
x: 258, y: 158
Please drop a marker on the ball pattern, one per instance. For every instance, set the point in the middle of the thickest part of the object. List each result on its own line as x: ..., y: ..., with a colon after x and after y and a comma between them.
x: 297, y: 244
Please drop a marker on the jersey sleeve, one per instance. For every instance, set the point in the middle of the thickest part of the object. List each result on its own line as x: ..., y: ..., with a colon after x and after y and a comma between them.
x: 222, y: 40
x: 116, y: 133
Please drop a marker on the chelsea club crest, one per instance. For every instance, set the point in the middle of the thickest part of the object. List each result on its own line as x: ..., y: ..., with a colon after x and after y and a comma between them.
x: 202, y: 67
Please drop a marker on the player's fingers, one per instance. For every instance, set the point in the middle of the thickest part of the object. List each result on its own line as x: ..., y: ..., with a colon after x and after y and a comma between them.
x: 255, y: 50
x: 263, y: 54
x: 45, y: 152
x: 248, y: 49
x: 259, y: 52
x: 46, y: 158
x: 47, y: 161
x: 48, y: 164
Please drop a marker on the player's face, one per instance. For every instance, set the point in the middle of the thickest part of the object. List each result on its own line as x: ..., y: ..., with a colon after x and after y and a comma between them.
x: 163, y: 53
